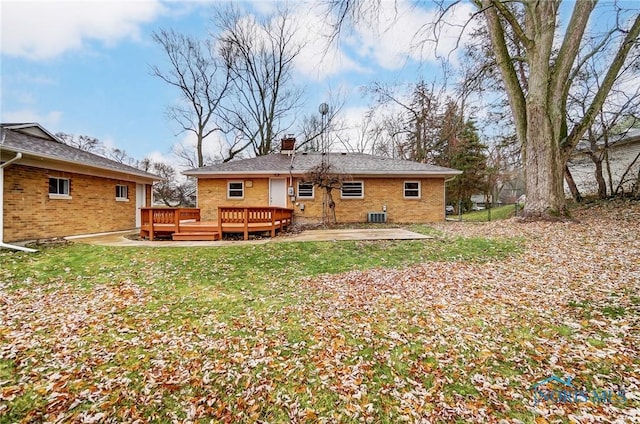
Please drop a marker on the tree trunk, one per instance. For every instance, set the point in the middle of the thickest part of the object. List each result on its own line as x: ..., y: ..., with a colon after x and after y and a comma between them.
x: 609, y: 175
x: 602, y: 184
x: 575, y: 193
x: 330, y: 208
x: 544, y: 177
x: 199, y: 151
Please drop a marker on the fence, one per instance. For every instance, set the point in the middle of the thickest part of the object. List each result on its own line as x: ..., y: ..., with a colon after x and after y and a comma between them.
x: 488, y: 213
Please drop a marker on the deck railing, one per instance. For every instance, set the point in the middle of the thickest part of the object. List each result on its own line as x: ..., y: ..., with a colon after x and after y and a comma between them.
x: 244, y: 219
x: 247, y: 219
x: 165, y: 220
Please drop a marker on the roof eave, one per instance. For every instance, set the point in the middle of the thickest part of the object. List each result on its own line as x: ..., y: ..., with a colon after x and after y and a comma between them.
x: 220, y: 174
x: 33, y: 124
x: 140, y: 174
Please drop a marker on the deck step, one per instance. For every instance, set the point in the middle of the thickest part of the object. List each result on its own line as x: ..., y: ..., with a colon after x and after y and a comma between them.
x: 202, y: 228
x: 196, y: 235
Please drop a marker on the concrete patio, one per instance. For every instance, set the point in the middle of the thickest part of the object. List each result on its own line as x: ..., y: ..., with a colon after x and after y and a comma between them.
x: 122, y: 238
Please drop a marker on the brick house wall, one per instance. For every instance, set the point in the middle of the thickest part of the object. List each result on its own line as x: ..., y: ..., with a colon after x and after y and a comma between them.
x: 380, y: 192
x: 213, y: 193
x: 30, y: 213
x: 377, y: 193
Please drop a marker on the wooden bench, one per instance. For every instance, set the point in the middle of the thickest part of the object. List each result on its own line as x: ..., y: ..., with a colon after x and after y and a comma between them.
x: 253, y: 219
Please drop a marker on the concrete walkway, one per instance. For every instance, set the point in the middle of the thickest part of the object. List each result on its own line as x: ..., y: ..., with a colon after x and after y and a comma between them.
x: 120, y: 239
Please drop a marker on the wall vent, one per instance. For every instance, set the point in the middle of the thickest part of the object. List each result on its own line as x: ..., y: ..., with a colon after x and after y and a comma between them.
x: 378, y: 217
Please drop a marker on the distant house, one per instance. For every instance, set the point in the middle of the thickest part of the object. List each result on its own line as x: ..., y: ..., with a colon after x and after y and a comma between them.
x: 482, y: 201
x: 49, y: 189
x: 624, y: 157
x: 374, y: 188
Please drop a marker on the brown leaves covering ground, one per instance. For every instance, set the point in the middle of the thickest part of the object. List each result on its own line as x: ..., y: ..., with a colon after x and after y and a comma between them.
x: 569, y: 307
x: 438, y: 342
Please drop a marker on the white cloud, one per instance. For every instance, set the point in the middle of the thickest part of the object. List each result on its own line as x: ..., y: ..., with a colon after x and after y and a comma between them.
x: 40, y: 30
x: 319, y: 58
x: 157, y: 156
x: 48, y: 120
x: 406, y: 32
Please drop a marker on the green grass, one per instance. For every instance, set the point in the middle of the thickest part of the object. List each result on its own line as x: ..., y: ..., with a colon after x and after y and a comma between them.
x: 238, y: 332
x: 497, y: 213
x: 249, y: 293
x: 243, y: 267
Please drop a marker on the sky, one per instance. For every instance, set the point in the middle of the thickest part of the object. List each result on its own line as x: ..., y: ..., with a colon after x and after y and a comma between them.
x: 83, y: 67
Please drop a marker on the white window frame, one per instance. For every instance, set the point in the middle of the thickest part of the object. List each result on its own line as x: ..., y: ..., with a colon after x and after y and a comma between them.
x: 405, y: 189
x: 66, y: 188
x: 313, y: 190
x: 361, y: 196
x: 124, y: 198
x: 229, y: 190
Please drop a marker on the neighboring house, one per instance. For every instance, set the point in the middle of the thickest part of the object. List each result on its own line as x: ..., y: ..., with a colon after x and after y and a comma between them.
x: 393, y: 190
x: 623, y: 152
x: 483, y: 201
x: 49, y: 189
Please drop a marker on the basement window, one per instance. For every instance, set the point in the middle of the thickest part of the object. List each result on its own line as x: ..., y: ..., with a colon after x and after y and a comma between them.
x: 305, y: 190
x: 122, y: 193
x: 352, y: 190
x: 412, y: 189
x: 235, y: 190
x: 59, y: 188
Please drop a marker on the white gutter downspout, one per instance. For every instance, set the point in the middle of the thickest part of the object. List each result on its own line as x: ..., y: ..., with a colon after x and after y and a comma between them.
x: 2, y: 243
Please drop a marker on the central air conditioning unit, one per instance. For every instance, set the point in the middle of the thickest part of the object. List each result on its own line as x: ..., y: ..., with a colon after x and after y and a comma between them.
x: 378, y: 217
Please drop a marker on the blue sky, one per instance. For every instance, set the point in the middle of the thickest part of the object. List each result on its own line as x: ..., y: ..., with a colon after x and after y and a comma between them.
x: 83, y: 67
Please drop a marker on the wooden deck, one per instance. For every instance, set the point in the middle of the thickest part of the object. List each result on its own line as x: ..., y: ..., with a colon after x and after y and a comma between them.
x: 185, y: 223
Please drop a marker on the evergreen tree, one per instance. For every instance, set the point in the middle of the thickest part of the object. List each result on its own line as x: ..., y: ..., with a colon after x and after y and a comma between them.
x: 468, y: 155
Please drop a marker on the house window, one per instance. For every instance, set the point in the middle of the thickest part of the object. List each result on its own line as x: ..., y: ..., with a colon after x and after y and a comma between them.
x: 235, y: 190
x: 352, y: 190
x: 305, y: 190
x: 412, y: 189
x: 59, y: 188
x: 122, y: 192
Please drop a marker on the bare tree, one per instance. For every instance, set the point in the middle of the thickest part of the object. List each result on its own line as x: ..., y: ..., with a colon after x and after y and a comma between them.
x: 203, y: 79
x: 94, y: 145
x: 524, y: 33
x: 539, y: 107
x: 260, y: 54
x: 619, y: 112
x: 121, y: 156
x: 358, y: 138
x: 83, y: 142
x: 388, y: 135
x: 327, y: 178
x: 414, y: 128
x: 423, y: 125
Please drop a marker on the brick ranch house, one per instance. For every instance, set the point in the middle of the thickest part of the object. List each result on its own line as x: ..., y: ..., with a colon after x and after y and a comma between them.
x: 49, y: 189
x: 374, y: 189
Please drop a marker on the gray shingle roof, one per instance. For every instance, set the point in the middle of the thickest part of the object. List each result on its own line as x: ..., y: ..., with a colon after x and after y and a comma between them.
x: 302, y: 163
x: 16, y: 140
x: 630, y: 136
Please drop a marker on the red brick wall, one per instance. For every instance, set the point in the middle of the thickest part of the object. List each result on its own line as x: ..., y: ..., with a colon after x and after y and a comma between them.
x: 29, y: 213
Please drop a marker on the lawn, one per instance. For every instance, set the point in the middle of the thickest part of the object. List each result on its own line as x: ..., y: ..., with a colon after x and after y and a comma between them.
x: 500, y: 212
x: 456, y: 328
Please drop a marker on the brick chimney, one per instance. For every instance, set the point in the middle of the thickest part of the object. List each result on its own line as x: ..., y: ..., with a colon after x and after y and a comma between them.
x: 288, y: 144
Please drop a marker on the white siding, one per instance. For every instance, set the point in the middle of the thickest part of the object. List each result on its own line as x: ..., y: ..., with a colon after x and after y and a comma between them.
x: 620, y: 157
